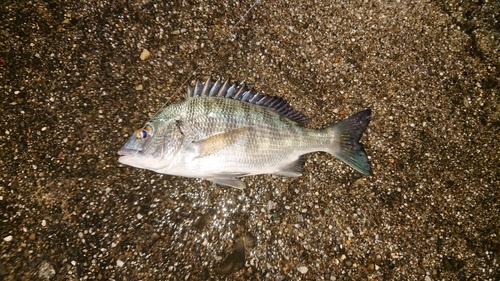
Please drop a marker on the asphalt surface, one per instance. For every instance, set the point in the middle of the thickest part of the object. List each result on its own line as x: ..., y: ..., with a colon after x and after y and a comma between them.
x: 74, y: 87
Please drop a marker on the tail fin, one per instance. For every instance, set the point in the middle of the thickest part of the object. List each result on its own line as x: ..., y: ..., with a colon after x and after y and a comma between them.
x: 346, y: 146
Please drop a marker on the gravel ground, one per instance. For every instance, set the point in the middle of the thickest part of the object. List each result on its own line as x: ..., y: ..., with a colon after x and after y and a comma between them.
x: 74, y: 86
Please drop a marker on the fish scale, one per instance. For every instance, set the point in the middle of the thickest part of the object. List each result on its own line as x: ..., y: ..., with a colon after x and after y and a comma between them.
x: 223, y: 131
x: 231, y: 117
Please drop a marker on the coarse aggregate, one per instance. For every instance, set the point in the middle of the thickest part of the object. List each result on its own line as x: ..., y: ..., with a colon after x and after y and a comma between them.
x: 78, y: 77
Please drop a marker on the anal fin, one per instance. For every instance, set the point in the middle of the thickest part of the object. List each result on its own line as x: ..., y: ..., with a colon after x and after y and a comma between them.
x: 294, y: 169
x: 232, y: 182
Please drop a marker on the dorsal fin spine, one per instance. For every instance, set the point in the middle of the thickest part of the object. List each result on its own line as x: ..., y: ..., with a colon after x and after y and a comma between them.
x: 207, y: 87
x: 231, y: 91
x: 241, y: 93
x: 198, y: 88
x: 215, y: 87
x: 255, y: 98
x: 242, y: 89
x: 223, y: 90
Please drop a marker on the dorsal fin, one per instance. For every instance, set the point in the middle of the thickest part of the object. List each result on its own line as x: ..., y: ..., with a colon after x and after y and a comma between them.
x: 241, y: 92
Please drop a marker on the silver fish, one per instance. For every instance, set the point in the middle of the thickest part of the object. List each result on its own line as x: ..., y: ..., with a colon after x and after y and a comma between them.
x: 222, y: 131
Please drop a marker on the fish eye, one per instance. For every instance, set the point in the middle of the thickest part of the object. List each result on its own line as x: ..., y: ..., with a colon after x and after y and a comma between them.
x: 144, y: 133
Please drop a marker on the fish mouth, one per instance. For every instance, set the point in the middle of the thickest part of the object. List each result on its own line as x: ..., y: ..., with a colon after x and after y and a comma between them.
x: 127, y: 152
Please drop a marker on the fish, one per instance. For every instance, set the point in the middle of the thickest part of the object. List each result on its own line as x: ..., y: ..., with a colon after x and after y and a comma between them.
x: 223, y: 131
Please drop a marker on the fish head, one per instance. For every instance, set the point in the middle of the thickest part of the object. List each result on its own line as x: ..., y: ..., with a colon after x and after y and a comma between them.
x: 153, y: 146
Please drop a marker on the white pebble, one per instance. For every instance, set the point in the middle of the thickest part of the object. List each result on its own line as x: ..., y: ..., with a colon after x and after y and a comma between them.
x: 302, y: 269
x: 119, y: 263
x: 145, y: 54
x: 8, y: 238
x: 44, y: 222
x: 139, y: 216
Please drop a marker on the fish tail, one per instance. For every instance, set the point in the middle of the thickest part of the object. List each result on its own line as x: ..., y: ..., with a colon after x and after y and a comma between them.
x: 346, y: 145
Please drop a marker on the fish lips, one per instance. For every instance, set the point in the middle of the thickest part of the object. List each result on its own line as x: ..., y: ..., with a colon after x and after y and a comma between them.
x: 127, y: 151
x: 126, y: 154
x: 139, y: 159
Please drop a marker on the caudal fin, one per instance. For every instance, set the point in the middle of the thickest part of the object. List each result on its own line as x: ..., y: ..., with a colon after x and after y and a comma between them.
x: 346, y: 144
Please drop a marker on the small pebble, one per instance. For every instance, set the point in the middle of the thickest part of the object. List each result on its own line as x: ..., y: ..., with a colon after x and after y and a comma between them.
x: 154, y: 237
x: 400, y: 166
x: 145, y: 54
x: 119, y: 263
x: 302, y: 269
x: 8, y: 238
x: 300, y: 218
x: 46, y: 271
x: 466, y: 102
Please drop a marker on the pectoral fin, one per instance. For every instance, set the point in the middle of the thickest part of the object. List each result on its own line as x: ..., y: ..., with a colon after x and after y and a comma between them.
x: 217, y: 141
